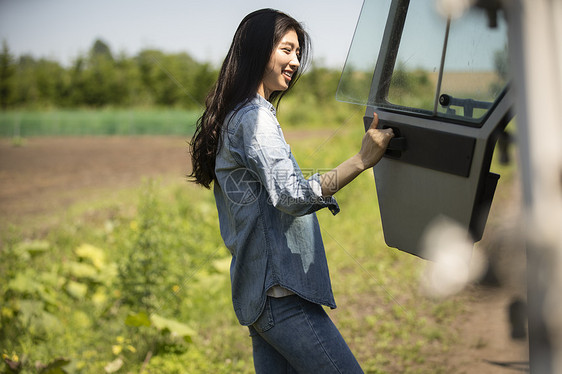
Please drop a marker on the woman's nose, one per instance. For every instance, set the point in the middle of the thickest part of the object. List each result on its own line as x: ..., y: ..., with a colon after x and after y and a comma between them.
x: 295, y: 63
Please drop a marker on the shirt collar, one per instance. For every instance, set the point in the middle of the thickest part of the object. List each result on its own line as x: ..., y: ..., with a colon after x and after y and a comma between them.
x: 261, y: 101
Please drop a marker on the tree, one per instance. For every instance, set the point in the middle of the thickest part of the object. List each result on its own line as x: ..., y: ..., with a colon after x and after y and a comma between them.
x: 205, y: 77
x: 100, y: 49
x: 501, y: 63
x: 172, y: 79
x: 76, y: 95
x: 7, y: 71
x: 98, y: 79
x: 51, y: 82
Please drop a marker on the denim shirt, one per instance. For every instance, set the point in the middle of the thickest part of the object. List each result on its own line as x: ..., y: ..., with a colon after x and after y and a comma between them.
x: 266, y: 213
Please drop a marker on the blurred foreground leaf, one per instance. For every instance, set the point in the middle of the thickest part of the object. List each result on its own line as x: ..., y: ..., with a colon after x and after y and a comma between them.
x: 175, y: 328
x: 137, y: 319
x: 114, y: 365
x: 53, y: 367
x: 94, y: 254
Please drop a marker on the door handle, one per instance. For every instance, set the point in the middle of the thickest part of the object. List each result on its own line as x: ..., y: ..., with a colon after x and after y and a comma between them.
x: 397, y: 144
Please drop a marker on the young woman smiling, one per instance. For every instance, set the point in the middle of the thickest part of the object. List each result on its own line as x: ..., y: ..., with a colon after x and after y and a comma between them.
x: 279, y: 273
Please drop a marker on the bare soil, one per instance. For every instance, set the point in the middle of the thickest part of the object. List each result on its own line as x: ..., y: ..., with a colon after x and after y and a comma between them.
x: 51, y: 174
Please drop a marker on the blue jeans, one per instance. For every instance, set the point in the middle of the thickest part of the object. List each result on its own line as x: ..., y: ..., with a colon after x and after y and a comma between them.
x: 296, y: 336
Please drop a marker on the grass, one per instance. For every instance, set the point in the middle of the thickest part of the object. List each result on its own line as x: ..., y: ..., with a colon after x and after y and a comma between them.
x: 390, y: 325
x: 81, y: 122
x: 153, y: 295
x: 295, y: 112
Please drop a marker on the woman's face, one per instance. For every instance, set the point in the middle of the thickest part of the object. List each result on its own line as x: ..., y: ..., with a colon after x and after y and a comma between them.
x: 283, y: 63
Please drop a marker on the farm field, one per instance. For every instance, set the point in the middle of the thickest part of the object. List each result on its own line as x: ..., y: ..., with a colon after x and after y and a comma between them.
x: 84, y: 122
x: 127, y: 197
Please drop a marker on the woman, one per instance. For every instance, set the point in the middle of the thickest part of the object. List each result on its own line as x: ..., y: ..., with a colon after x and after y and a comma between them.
x: 279, y: 273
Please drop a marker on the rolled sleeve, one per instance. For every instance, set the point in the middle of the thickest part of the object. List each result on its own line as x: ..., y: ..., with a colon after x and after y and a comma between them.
x: 270, y: 158
x: 328, y: 201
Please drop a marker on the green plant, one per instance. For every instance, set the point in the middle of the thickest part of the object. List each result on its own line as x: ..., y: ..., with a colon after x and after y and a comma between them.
x: 143, y: 286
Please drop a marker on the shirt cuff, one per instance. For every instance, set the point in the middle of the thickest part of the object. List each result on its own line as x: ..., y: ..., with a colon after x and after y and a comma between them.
x: 327, y: 201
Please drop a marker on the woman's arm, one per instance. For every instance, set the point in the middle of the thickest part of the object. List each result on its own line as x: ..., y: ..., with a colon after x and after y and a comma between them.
x: 372, y: 149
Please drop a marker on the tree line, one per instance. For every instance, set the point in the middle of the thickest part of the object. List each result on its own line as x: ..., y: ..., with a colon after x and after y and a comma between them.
x: 102, y: 79
x: 99, y: 79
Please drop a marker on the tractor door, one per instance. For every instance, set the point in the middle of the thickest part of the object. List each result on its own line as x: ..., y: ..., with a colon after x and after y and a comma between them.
x: 441, y: 84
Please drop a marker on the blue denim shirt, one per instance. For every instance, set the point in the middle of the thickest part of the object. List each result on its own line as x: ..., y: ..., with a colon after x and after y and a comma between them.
x: 266, y: 213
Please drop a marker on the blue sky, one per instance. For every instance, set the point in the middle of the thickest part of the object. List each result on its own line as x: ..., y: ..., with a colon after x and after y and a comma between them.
x: 64, y: 29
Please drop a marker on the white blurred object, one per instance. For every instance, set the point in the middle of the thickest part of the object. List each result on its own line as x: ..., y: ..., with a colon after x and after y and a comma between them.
x: 453, y: 8
x: 454, y: 261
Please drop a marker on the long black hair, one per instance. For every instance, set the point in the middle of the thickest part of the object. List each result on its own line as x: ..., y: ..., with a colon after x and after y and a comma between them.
x: 241, y: 73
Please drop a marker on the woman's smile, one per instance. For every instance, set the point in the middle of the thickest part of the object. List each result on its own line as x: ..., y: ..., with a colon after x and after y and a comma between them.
x: 288, y: 74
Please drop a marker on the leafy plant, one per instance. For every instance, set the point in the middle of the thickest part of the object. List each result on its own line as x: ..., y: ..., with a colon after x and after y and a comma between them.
x: 143, y: 265
x: 145, y: 286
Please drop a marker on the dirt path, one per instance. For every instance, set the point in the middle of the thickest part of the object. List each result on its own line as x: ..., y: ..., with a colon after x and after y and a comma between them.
x: 485, y: 346
x: 54, y: 173
x: 49, y: 174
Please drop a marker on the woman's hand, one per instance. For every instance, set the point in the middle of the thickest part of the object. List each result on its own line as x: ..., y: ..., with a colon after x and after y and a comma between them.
x: 374, y: 144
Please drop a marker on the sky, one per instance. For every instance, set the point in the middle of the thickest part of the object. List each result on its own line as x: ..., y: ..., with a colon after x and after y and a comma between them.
x: 64, y: 29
